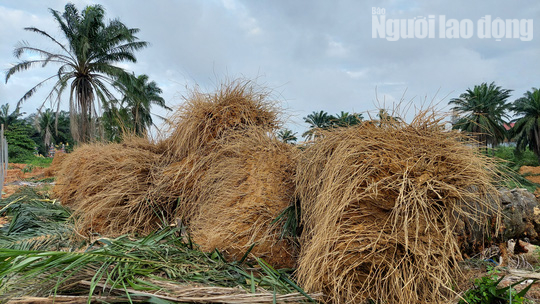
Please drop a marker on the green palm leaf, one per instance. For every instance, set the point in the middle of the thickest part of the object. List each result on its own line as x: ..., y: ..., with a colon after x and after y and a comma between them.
x: 482, y: 111
x: 87, y: 61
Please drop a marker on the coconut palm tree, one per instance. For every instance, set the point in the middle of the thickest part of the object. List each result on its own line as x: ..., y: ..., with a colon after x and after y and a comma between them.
x: 526, y: 129
x: 86, y: 63
x: 482, y: 112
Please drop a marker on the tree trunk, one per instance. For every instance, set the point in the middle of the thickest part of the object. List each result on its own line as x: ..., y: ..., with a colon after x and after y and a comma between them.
x: 536, y: 144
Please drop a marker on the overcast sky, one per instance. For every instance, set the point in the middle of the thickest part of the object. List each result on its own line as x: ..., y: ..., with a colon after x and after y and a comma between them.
x: 314, y: 55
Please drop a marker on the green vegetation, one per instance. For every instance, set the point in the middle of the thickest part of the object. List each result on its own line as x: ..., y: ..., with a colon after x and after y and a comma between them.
x: 527, y: 127
x: 487, y: 291
x: 37, y: 161
x: 36, y: 222
x: 39, y: 243
x: 287, y: 136
x: 323, y: 121
x: 20, y: 145
x: 516, y: 158
x: 131, y: 115
x: 140, y: 264
x: 482, y: 112
x: 87, y: 63
x: 50, y: 129
x: 512, y: 160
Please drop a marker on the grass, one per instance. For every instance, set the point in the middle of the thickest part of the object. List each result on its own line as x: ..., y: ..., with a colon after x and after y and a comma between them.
x: 512, y: 161
x: 515, y: 158
x: 35, y: 161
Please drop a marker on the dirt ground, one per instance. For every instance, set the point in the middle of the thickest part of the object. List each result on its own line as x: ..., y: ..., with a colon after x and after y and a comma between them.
x: 532, y: 173
x: 19, y: 172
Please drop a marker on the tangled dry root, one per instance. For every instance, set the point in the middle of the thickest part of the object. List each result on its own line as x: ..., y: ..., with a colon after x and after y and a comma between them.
x: 380, y: 202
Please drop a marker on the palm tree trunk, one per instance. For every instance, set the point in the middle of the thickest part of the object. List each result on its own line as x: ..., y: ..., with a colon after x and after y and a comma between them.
x: 536, y: 149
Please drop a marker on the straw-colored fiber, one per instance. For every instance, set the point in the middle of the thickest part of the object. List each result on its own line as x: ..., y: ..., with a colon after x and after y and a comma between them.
x: 249, y: 181
x: 204, y: 117
x: 50, y: 171
x: 220, y: 172
x: 174, y: 183
x: 107, y: 186
x: 200, y: 121
x: 380, y: 202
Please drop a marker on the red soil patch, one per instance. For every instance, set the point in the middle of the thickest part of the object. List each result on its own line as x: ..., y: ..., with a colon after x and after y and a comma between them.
x: 3, y: 221
x: 16, y: 172
x: 533, y: 175
x: 529, y: 170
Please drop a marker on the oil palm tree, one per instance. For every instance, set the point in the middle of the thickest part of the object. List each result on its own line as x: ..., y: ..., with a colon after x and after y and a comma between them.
x: 50, y: 128
x: 384, y: 116
x: 116, y: 121
x: 86, y: 63
x: 345, y: 119
x: 526, y: 129
x: 482, y: 112
x: 287, y: 136
x: 8, y: 118
x: 317, y: 121
x: 139, y: 95
x: 45, y: 125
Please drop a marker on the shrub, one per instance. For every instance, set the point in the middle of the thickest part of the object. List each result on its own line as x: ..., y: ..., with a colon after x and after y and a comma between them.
x: 20, y: 145
x: 486, y: 291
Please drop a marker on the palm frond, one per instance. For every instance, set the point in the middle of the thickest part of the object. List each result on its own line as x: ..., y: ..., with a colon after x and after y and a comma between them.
x: 35, y: 222
x: 41, y: 32
x: 111, y: 264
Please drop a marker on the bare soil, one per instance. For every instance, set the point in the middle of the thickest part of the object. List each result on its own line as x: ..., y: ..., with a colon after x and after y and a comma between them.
x: 19, y: 172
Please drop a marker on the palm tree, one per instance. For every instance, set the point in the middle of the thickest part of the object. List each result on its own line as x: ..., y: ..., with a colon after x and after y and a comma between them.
x: 50, y: 128
x: 287, y: 136
x: 482, y: 112
x: 322, y: 121
x: 139, y: 96
x: 86, y: 63
x: 7, y: 118
x: 317, y: 121
x: 383, y: 115
x: 45, y: 124
x: 116, y: 121
x: 345, y: 119
x: 526, y: 129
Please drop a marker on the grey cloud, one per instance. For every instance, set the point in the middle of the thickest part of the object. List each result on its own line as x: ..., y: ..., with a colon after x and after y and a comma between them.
x: 316, y: 54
